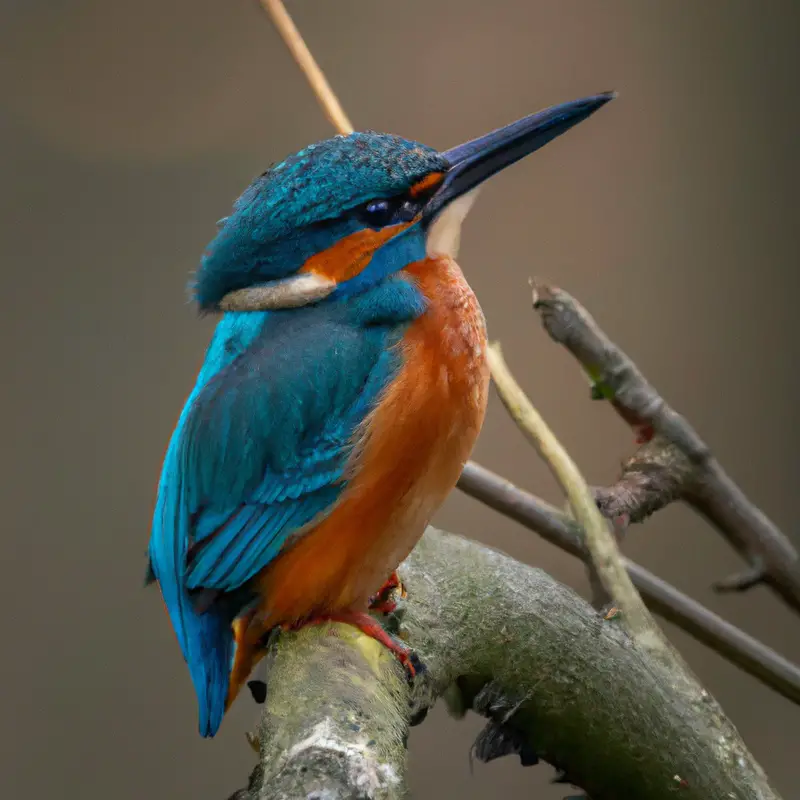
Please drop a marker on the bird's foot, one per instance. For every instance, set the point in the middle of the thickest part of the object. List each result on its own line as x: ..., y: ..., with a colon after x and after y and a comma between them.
x: 371, y: 627
x: 383, y: 601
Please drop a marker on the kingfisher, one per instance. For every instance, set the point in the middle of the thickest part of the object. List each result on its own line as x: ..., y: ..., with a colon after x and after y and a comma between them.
x: 341, y: 394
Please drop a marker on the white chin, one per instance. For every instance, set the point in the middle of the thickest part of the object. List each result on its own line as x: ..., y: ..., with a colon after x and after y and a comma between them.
x: 444, y: 234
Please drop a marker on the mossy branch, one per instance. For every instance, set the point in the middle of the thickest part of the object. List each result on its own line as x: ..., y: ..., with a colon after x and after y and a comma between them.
x: 335, y: 718
x: 556, y: 680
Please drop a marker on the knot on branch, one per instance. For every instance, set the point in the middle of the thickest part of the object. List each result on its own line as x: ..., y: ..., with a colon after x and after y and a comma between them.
x: 655, y: 476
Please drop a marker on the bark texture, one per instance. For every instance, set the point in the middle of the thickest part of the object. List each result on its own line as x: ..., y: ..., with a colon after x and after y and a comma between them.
x: 556, y: 681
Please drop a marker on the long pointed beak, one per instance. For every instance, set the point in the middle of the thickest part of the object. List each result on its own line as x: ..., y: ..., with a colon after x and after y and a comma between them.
x: 475, y: 161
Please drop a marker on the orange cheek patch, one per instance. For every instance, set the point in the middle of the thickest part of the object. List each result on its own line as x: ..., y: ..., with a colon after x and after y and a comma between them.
x: 350, y: 255
x: 426, y: 184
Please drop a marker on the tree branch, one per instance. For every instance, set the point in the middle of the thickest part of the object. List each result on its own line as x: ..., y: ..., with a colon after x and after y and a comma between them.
x: 335, y: 718
x: 606, y: 558
x: 556, y: 681
x: 652, y: 478
x: 561, y: 530
x: 677, y: 463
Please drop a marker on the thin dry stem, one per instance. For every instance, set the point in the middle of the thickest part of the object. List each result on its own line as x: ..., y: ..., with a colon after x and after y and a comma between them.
x: 599, y: 539
x: 308, y: 65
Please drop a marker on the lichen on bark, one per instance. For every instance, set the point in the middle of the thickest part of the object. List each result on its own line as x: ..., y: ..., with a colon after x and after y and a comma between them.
x: 556, y: 680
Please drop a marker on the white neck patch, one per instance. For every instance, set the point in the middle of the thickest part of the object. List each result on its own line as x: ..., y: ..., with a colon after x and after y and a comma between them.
x: 444, y: 234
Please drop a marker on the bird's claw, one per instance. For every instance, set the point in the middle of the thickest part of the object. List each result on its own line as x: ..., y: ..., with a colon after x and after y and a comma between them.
x: 412, y: 664
x: 384, y: 601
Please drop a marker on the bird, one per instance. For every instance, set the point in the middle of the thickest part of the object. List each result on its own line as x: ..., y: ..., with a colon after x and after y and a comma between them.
x: 341, y: 394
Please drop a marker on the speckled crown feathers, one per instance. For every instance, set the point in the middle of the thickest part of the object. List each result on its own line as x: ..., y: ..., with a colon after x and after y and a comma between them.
x: 275, y: 226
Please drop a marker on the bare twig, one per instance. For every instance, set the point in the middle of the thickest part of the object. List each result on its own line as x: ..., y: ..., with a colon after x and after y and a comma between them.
x: 561, y: 530
x: 308, y: 65
x: 599, y: 540
x: 677, y: 463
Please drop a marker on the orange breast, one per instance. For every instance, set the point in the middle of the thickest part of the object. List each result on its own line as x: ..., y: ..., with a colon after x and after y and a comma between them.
x: 411, y: 452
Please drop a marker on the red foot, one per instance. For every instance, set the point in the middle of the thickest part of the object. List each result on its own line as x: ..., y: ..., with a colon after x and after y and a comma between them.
x: 372, y: 628
x: 382, y: 601
x: 383, y: 606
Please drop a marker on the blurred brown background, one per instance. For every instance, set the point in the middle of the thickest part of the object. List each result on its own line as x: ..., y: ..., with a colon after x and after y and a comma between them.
x: 126, y: 130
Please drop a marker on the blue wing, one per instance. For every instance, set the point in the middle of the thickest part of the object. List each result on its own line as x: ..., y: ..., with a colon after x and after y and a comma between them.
x: 260, y: 451
x: 267, y: 441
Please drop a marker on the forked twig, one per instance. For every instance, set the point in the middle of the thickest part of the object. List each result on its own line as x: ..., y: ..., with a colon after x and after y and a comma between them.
x: 673, y: 462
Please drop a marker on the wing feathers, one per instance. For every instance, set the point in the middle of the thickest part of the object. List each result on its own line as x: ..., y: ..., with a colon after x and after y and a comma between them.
x: 260, y: 451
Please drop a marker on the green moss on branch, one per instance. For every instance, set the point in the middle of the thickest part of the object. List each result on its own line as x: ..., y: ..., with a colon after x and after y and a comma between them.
x: 551, y: 674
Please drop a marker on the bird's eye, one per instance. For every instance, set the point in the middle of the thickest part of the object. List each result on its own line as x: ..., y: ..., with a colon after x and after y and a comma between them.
x: 380, y: 213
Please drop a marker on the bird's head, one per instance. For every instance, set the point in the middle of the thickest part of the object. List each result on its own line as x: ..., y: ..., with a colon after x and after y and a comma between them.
x: 343, y: 214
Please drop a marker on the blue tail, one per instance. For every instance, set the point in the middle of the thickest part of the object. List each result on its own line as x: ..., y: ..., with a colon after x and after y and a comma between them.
x: 206, y: 639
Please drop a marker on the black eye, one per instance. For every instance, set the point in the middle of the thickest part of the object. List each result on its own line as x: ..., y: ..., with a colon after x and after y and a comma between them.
x: 380, y: 213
